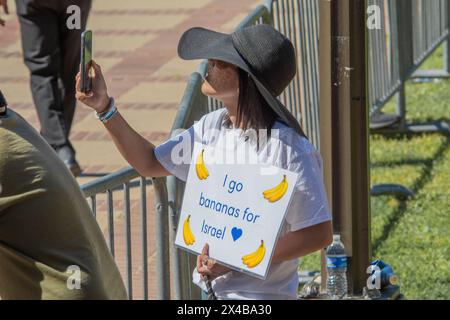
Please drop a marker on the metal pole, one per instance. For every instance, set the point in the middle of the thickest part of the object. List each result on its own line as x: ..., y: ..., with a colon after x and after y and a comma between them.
x: 447, y: 43
x: 162, y: 239
x: 110, y: 203
x: 405, y: 55
x: 174, y: 252
x: 447, y: 55
x: 128, y: 260
x: 344, y: 124
x: 401, y: 106
x: 144, y: 237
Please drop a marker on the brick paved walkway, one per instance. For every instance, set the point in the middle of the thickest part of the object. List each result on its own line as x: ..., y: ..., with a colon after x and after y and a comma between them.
x: 135, y: 42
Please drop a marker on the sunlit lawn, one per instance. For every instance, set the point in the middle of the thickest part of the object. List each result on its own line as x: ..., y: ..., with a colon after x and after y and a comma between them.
x: 414, y: 236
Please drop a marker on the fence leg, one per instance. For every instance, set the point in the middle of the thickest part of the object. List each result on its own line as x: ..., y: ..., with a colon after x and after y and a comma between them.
x: 181, y: 262
x: 162, y: 240
x: 397, y: 190
x: 441, y: 126
x: 174, y: 252
x: 447, y: 56
x: 401, y: 107
x: 144, y: 237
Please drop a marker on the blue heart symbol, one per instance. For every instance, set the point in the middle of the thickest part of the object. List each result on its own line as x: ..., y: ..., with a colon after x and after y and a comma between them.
x: 236, y: 233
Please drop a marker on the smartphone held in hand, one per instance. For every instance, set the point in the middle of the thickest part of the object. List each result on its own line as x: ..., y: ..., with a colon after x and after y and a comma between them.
x: 86, y: 61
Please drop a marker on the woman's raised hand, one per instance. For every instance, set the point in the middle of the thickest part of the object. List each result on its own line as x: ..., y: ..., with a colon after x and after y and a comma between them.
x: 98, y: 98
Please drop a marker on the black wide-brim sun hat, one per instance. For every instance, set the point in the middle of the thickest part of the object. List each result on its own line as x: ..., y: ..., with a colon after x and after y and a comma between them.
x: 260, y: 50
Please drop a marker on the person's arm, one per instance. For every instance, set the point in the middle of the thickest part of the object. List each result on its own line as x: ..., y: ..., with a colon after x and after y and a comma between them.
x: 4, y: 4
x: 308, y: 215
x: 293, y: 245
x: 303, y: 242
x: 134, y: 148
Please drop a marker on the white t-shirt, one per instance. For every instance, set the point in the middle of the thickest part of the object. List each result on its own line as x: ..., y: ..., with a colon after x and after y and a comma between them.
x: 309, y: 206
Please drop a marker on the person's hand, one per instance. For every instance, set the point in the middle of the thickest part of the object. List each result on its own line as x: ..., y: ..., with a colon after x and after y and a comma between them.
x: 98, y: 98
x: 209, y: 267
x: 4, y: 4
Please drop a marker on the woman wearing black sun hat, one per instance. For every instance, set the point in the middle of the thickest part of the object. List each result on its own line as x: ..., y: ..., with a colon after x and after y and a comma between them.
x: 247, y: 70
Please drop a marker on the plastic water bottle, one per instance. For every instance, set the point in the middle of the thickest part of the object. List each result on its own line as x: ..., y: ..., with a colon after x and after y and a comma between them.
x: 337, y: 269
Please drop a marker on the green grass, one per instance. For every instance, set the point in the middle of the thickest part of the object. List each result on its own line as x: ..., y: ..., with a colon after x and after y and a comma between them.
x: 413, y: 236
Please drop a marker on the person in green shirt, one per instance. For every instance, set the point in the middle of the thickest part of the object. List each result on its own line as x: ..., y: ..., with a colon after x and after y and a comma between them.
x: 51, y: 247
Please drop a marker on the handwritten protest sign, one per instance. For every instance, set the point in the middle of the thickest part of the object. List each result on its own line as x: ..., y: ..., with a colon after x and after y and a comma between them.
x: 238, y: 209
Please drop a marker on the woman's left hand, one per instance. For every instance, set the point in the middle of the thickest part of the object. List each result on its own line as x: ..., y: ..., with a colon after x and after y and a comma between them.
x: 209, y: 267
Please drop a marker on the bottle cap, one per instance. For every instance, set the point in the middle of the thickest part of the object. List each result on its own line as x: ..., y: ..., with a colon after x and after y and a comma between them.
x: 336, y: 237
x: 393, y: 279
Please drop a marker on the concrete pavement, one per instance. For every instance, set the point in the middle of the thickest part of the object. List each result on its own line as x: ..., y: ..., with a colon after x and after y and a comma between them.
x: 135, y: 42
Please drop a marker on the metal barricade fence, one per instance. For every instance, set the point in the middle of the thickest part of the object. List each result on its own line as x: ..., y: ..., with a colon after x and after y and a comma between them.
x: 121, y: 182
x: 299, y: 21
x: 410, y: 31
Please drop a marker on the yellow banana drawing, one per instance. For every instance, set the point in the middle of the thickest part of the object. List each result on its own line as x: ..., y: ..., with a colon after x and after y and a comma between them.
x: 188, y: 236
x: 278, y: 192
x: 253, y: 259
x: 200, y: 167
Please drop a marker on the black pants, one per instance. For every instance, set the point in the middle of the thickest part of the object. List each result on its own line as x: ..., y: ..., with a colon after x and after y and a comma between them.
x: 52, y: 54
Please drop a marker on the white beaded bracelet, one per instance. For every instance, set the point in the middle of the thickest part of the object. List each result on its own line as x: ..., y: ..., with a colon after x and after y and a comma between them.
x: 108, y: 114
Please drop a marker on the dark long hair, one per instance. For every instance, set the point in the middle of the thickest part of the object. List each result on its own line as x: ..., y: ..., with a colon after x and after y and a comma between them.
x: 253, y: 111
